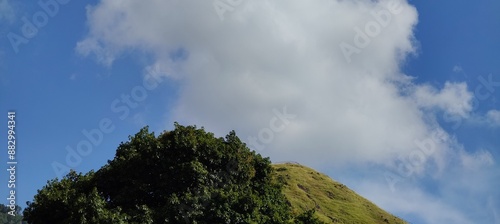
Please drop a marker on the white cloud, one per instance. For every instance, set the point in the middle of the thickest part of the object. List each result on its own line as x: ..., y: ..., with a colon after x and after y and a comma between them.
x: 493, y: 117
x: 477, y: 159
x: 412, y: 201
x: 453, y: 99
x: 490, y: 119
x: 267, y: 55
x: 465, y: 193
x: 462, y: 196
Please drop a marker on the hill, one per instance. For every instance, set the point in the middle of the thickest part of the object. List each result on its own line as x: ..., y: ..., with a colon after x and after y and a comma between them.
x: 305, y: 188
x: 188, y: 175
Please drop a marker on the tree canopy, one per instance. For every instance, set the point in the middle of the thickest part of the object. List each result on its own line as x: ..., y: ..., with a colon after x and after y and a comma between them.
x: 9, y: 216
x: 186, y: 175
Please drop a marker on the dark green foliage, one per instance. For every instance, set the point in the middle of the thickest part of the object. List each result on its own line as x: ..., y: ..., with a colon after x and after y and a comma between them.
x: 6, y: 218
x: 182, y: 176
x: 308, y: 218
x: 74, y: 199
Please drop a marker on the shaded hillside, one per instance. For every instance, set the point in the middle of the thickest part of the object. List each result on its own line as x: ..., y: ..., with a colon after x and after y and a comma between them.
x: 306, y: 188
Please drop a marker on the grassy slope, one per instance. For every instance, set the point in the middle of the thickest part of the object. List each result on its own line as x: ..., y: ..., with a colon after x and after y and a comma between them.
x: 335, y: 203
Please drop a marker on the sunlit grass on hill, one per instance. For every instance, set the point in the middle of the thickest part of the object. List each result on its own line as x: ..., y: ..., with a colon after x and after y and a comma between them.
x: 306, y: 189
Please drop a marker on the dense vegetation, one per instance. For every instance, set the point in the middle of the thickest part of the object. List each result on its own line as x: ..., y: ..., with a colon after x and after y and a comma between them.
x: 182, y: 176
x: 189, y: 176
x: 13, y: 218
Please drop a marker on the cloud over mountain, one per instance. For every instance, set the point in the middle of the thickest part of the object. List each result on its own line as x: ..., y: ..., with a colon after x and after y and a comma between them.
x: 333, y: 66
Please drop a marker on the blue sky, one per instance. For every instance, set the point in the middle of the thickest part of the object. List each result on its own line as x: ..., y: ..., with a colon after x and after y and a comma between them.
x: 357, y: 120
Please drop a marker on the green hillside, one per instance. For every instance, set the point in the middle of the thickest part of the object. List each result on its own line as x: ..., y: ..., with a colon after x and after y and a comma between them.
x: 306, y: 188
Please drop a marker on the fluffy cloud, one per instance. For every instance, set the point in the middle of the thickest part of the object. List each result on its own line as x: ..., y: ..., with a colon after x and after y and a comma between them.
x: 458, y: 197
x: 436, y: 211
x: 465, y: 193
x: 266, y: 59
x: 453, y: 99
x: 268, y: 55
x: 489, y: 119
x: 493, y: 117
x: 477, y: 160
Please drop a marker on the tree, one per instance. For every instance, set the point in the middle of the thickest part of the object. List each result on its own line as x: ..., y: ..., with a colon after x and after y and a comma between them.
x: 7, y: 218
x: 182, y: 176
x: 308, y: 218
x: 74, y: 199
